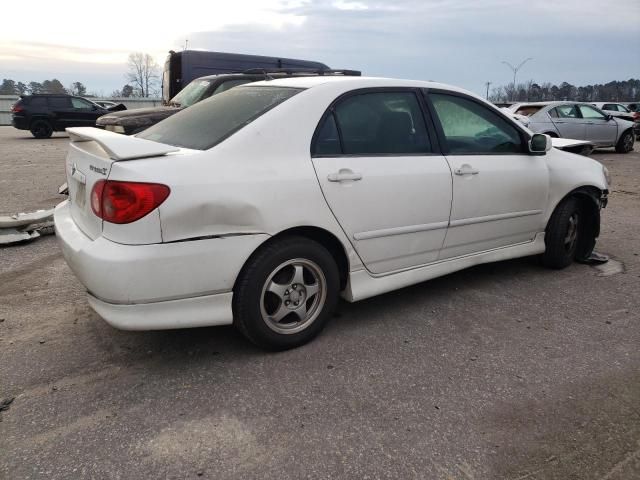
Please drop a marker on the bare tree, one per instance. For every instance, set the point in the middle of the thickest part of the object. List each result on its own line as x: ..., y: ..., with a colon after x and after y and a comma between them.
x: 143, y: 72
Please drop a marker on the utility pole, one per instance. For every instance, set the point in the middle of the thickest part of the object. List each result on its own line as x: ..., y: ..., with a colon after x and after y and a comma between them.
x: 515, y: 72
x: 186, y: 43
x: 487, y: 84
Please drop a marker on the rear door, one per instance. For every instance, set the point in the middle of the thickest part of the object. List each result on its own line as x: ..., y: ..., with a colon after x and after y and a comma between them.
x: 569, y: 122
x: 382, y: 177
x: 598, y: 129
x: 499, y: 190
x: 60, y: 108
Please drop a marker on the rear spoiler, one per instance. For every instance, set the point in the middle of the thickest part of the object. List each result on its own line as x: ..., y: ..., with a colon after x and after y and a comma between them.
x: 118, y: 146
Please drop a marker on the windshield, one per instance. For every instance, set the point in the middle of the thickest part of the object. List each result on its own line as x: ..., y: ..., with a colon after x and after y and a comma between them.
x: 190, y: 94
x: 218, y: 117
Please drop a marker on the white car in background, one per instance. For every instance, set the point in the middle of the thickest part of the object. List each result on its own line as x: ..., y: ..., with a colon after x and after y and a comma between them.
x: 621, y: 111
x: 578, y: 121
x: 262, y: 205
x: 617, y: 110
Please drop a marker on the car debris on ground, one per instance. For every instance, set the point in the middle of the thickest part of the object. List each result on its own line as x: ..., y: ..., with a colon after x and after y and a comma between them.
x: 581, y: 147
x: 24, y: 227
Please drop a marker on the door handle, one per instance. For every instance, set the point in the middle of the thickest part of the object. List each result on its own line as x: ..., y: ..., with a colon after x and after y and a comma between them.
x: 466, y: 170
x: 344, y: 175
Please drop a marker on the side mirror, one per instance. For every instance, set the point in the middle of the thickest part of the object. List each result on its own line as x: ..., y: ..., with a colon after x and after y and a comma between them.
x: 609, y: 117
x: 540, y: 144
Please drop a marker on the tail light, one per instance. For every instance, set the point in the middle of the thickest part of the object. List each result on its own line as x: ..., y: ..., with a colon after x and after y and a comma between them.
x: 126, y: 202
x: 17, y: 108
x: 636, y: 116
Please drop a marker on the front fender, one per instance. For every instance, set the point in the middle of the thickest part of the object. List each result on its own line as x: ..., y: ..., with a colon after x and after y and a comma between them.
x: 570, y: 173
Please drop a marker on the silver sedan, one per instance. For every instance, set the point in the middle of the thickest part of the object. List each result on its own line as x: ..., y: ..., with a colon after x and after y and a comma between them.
x: 579, y: 121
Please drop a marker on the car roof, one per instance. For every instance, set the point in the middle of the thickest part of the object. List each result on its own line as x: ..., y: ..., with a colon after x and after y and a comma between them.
x: 353, y: 83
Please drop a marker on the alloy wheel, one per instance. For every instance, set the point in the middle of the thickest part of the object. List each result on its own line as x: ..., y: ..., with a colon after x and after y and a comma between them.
x: 293, y: 296
x: 571, y: 238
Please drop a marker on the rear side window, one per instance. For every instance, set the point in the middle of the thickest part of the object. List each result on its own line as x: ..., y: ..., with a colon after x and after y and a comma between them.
x: 210, y: 121
x: 38, y: 103
x: 567, y: 111
x: 377, y: 123
x: 470, y: 127
x: 553, y: 113
x: 59, y: 102
x: 328, y: 140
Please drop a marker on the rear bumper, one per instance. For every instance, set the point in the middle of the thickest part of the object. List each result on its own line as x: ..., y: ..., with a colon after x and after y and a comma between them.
x: 206, y: 310
x: 20, y: 123
x: 166, y: 285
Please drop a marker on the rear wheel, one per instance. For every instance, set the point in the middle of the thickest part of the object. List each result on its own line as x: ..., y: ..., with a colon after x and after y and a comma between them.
x: 565, y: 234
x: 625, y: 144
x: 286, y: 293
x: 41, y: 129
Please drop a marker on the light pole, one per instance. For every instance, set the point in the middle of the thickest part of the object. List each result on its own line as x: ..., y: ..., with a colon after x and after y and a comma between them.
x: 515, y: 72
x: 488, y: 84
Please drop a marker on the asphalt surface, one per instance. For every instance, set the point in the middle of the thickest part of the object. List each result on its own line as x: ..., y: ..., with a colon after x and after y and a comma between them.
x: 503, y: 371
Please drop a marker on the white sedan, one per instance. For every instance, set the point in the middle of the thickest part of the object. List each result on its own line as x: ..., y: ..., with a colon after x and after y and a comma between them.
x: 262, y: 205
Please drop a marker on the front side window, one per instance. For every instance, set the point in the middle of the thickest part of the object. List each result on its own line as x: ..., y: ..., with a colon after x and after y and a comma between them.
x: 228, y: 85
x: 470, y: 127
x: 375, y: 123
x: 212, y: 120
x: 592, y: 113
x: 190, y: 94
x: 553, y: 113
x: 610, y: 106
x: 81, y: 104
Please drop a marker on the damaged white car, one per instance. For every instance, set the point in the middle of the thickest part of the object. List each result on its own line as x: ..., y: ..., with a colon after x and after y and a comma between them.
x: 262, y: 205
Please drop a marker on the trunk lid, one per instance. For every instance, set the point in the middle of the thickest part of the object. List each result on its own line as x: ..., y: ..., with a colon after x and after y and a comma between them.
x: 92, y: 153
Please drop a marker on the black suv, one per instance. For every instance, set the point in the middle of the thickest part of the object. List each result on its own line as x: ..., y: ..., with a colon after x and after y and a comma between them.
x: 44, y: 114
x: 134, y: 121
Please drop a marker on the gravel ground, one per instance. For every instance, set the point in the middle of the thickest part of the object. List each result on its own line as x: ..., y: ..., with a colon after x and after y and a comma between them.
x: 503, y: 371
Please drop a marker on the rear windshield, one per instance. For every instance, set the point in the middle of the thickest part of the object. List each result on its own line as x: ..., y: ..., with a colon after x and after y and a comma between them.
x: 210, y: 121
x: 528, y: 110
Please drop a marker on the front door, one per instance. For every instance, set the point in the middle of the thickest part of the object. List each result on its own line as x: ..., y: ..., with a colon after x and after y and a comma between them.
x: 83, y: 113
x: 598, y: 128
x: 382, y: 180
x: 499, y: 190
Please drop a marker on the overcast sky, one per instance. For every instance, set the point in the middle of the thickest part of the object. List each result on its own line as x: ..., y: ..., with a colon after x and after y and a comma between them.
x: 461, y: 42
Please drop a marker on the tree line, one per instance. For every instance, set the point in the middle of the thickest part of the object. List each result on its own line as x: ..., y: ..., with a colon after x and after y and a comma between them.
x: 142, y: 81
x: 530, y: 91
x: 11, y: 87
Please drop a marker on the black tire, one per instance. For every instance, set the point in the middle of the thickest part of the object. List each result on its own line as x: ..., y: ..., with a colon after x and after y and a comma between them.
x: 255, y: 306
x: 565, y: 234
x: 625, y: 144
x: 41, y: 129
